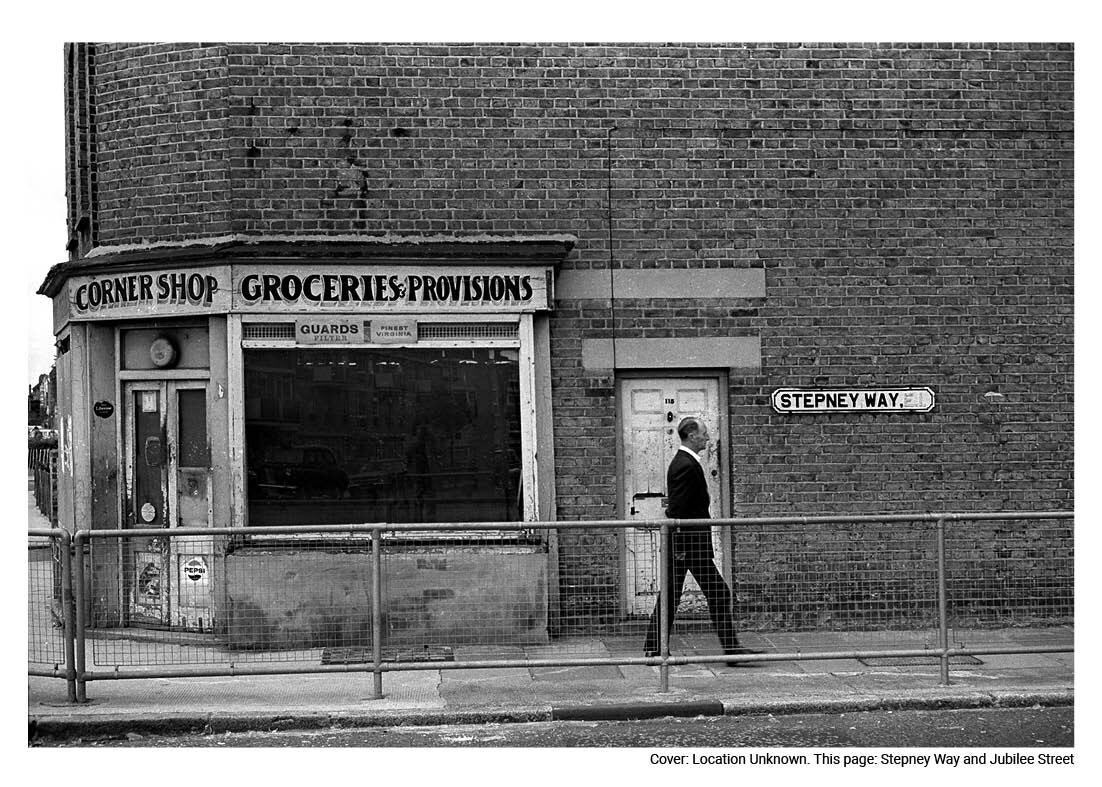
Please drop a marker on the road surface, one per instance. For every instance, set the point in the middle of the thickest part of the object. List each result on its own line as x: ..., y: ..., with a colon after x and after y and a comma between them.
x: 987, y: 728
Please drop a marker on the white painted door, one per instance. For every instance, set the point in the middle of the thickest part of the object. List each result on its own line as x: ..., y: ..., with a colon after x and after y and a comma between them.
x: 650, y: 410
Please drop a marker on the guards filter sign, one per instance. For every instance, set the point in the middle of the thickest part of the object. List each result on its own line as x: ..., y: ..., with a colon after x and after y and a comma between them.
x: 878, y: 400
x: 333, y: 330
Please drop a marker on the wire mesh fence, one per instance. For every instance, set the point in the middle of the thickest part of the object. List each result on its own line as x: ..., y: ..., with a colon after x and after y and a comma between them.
x: 309, y: 597
x: 45, y: 610
x: 1010, y: 575
x: 226, y: 600
x: 302, y: 596
x: 828, y: 580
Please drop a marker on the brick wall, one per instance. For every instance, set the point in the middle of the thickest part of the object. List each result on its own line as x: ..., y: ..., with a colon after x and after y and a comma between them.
x: 163, y: 142
x: 911, y: 206
x: 80, y: 176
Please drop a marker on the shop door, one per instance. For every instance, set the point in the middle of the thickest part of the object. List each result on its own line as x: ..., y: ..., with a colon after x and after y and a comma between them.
x: 166, y: 581
x: 650, y: 410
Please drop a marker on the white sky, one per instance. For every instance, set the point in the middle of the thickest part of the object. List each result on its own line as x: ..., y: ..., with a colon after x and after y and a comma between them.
x: 39, y: 236
x: 34, y: 233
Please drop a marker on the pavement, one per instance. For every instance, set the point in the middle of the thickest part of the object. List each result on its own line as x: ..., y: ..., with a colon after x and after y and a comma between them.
x: 533, y: 693
x: 439, y: 694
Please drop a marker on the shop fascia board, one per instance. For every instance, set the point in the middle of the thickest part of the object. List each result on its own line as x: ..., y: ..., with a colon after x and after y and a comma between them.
x: 534, y: 250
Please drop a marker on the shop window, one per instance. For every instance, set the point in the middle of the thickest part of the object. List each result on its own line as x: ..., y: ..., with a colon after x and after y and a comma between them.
x: 382, y: 435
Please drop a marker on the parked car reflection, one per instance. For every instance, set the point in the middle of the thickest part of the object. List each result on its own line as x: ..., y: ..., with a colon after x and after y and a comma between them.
x: 303, y: 472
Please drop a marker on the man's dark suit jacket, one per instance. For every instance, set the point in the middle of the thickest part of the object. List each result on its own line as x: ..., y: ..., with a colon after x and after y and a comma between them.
x: 686, y: 488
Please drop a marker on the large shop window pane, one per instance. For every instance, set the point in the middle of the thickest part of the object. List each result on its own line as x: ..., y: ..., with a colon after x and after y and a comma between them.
x: 366, y: 435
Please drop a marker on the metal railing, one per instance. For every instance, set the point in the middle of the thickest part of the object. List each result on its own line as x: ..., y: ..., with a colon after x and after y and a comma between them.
x: 495, y: 595
x: 42, y: 462
x: 51, y: 628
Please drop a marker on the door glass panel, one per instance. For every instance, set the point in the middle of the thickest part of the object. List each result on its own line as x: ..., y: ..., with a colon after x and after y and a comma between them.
x: 192, y: 492
x: 192, y: 404
x: 148, y: 495
x: 372, y: 435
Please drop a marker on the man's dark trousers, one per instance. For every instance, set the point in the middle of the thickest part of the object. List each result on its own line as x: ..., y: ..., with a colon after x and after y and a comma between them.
x: 692, y: 552
x: 687, y: 491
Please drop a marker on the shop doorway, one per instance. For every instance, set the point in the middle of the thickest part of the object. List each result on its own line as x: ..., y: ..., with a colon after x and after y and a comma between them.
x: 650, y: 410
x: 166, y: 467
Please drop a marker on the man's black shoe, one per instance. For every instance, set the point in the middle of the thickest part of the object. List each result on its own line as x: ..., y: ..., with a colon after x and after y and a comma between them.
x: 650, y: 654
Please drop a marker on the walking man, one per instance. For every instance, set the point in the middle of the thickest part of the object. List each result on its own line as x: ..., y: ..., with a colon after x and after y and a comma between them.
x: 687, y: 492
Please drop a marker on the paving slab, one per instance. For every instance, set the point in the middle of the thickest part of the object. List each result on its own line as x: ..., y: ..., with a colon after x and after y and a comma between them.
x: 505, y: 675
x: 577, y: 674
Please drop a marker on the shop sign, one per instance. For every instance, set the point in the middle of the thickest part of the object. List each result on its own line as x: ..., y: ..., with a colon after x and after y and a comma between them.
x: 195, y: 569
x: 182, y: 291
x: 800, y: 400
x: 400, y: 288
x: 330, y: 330
x: 393, y: 331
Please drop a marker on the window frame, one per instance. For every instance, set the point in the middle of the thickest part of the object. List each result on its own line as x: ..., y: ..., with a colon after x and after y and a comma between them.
x: 523, y: 342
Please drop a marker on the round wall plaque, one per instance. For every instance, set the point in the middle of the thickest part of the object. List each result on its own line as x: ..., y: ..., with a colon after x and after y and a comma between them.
x: 149, y: 513
x: 103, y: 409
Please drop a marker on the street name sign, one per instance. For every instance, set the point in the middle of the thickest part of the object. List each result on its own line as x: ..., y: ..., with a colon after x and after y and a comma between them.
x: 839, y: 400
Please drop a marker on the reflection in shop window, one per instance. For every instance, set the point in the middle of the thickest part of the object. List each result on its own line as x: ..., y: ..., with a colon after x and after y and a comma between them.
x: 396, y: 435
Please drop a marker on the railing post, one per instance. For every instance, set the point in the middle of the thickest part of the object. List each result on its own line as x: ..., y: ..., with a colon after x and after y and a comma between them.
x: 942, y: 603
x: 377, y: 611
x: 78, y: 591
x: 65, y: 546
x: 664, y: 579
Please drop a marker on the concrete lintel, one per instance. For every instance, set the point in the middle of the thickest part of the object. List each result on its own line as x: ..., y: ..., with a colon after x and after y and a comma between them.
x: 714, y: 352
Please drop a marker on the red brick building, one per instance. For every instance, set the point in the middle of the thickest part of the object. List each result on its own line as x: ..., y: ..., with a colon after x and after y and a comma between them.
x: 588, y: 241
